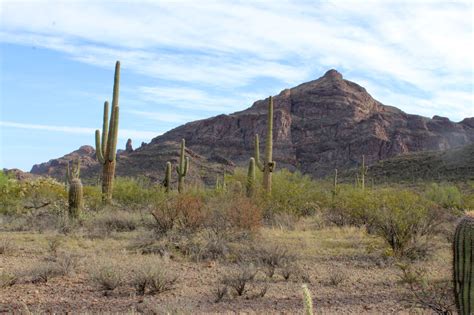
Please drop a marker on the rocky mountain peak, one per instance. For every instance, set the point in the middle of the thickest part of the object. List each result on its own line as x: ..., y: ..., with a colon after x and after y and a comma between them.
x: 333, y: 74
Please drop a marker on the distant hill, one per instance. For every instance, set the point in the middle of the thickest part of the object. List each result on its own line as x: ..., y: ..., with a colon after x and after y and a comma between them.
x: 320, y: 125
x: 451, y: 165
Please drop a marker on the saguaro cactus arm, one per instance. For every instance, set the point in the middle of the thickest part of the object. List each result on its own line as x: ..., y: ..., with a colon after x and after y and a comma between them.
x: 251, y: 178
x: 257, y: 153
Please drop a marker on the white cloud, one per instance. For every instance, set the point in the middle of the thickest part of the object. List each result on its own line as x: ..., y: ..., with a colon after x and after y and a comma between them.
x: 123, y: 133
x: 227, y: 45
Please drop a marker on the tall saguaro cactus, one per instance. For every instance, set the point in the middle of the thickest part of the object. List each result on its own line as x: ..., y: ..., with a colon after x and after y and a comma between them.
x: 106, y: 150
x: 268, y: 165
x: 182, y: 168
x: 167, y: 180
x: 251, y: 178
x: 75, y: 192
x: 363, y: 172
x: 463, y: 268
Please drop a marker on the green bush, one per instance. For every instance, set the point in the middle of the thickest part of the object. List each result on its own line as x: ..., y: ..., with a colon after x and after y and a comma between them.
x: 404, y: 219
x: 446, y: 195
x: 135, y: 191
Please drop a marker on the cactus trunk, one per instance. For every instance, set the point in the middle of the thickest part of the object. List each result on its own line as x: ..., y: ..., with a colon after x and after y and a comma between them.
x: 268, y: 164
x: 251, y: 178
x: 76, y: 200
x: 106, y: 149
x: 167, y: 181
x: 182, y: 168
x: 463, y: 268
x: 108, y: 174
x: 75, y: 193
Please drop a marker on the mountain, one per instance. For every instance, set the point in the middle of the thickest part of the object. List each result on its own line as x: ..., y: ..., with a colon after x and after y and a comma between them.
x: 318, y: 126
x: 454, y: 164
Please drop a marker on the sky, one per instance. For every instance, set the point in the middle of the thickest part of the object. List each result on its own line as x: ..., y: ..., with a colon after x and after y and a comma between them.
x: 188, y: 60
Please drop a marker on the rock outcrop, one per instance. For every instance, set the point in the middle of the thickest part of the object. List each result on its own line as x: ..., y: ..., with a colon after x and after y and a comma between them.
x: 318, y: 126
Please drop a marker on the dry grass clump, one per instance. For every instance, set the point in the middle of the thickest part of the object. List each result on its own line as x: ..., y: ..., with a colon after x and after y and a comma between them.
x: 6, y: 246
x: 152, y: 276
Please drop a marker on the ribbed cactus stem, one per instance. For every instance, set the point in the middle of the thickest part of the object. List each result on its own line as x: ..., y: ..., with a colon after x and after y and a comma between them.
x: 75, y: 194
x: 257, y: 153
x: 268, y: 165
x: 307, y: 301
x: 334, y: 192
x: 106, y: 149
x: 182, y: 168
x: 75, y: 198
x: 463, y: 268
x: 167, y: 181
x: 363, y: 172
x: 251, y: 178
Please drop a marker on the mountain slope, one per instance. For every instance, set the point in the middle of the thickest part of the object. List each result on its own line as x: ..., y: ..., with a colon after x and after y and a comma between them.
x: 320, y: 125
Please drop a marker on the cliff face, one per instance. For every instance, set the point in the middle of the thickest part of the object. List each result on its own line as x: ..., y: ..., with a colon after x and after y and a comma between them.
x: 318, y: 126
x: 321, y: 125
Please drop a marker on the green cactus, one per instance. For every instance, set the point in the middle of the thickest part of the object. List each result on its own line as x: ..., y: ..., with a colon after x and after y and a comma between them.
x: 463, y: 268
x: 268, y: 165
x: 75, y: 193
x: 167, y: 181
x: 251, y: 178
x: 307, y: 301
x: 363, y: 171
x: 106, y: 150
x: 335, y: 188
x: 182, y: 168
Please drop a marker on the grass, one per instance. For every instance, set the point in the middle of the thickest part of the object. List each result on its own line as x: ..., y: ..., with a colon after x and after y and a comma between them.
x: 321, y: 253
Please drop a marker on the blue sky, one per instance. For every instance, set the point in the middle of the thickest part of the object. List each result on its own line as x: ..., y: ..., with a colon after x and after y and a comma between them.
x: 187, y: 60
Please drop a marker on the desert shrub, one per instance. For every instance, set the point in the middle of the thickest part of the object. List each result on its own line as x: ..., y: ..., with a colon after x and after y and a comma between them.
x: 93, y: 197
x: 425, y: 292
x: 65, y: 263
x: 7, y: 279
x: 273, y: 257
x: 107, y: 275
x: 134, y: 191
x: 153, y: 276
x: 6, y: 246
x: 239, y: 278
x: 109, y: 220
x: 350, y: 206
x: 403, y: 219
x: 446, y: 195
x: 295, y: 193
x: 10, y: 194
x: 42, y: 272
x: 184, y: 212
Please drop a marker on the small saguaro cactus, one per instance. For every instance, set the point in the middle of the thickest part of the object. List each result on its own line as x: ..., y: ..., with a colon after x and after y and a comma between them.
x: 335, y: 188
x: 251, y: 178
x: 268, y: 165
x: 106, y: 150
x: 463, y: 268
x: 363, y: 171
x: 75, y: 193
x: 167, y: 180
x: 182, y: 168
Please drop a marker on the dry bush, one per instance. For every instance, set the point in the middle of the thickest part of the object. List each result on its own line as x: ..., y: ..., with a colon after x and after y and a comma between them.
x: 244, y: 214
x: 183, y: 212
x: 107, y: 275
x: 435, y: 295
x: 152, y: 275
x: 238, y: 279
x: 6, y: 246
x: 273, y: 257
x: 53, y: 244
x: 41, y: 272
x: 7, y: 279
x: 66, y: 263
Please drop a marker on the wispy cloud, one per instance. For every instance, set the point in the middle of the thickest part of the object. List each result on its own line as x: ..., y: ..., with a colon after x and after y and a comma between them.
x: 228, y: 46
x: 123, y: 133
